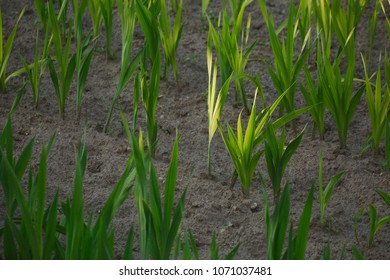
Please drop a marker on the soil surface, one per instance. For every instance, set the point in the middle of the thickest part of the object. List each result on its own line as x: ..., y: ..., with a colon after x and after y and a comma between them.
x: 211, y: 204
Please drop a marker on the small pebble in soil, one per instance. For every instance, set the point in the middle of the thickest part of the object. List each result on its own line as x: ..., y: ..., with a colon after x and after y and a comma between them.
x: 254, y: 207
x: 196, y: 204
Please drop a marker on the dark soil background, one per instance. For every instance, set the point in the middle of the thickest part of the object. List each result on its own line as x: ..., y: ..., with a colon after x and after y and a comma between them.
x: 211, y: 205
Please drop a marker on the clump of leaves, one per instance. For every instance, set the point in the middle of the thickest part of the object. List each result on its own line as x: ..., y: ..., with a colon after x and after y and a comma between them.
x: 276, y: 228
x: 170, y: 36
x: 158, y: 223
x: 242, y: 149
x: 83, y: 53
x: 34, y: 228
x: 36, y: 70
x: 5, y: 51
x: 96, y: 16
x: 278, y: 155
x: 128, y: 66
x: 287, y: 66
x: 66, y: 63
x: 375, y: 223
x: 230, y: 44
x: 106, y: 8
x: 378, y: 101
x: 215, y: 101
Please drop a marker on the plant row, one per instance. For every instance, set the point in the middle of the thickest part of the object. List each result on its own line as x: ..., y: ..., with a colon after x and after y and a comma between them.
x: 334, y: 89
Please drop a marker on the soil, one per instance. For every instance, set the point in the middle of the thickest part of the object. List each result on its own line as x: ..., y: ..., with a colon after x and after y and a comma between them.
x: 211, y: 204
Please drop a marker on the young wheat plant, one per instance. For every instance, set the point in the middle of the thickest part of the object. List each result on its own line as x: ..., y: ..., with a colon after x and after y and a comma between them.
x: 276, y: 228
x: 106, y: 8
x: 96, y: 16
x: 378, y: 101
x: 66, y: 63
x: 38, y: 67
x: 287, y: 67
x: 84, y: 55
x: 229, y: 44
x: 127, y: 14
x: 5, y: 51
x: 215, y: 102
x: 170, y: 37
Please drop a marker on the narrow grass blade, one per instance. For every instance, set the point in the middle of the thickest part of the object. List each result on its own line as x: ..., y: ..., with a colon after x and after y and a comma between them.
x: 303, y: 227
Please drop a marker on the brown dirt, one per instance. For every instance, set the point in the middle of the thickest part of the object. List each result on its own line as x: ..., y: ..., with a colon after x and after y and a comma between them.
x: 210, y: 205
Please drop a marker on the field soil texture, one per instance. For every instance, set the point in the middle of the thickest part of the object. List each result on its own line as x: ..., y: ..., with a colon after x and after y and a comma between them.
x: 212, y: 205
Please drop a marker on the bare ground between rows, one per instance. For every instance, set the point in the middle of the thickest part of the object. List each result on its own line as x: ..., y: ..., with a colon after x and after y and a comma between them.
x: 211, y: 205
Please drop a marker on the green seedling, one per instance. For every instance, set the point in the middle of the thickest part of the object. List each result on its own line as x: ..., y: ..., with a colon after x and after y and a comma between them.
x: 34, y: 229
x: 161, y: 216
x: 159, y: 223
x: 187, y: 246
x: 378, y: 101
x: 339, y: 95
x: 5, y: 51
x: 357, y: 254
x: 30, y: 234
x: 170, y: 37
x: 355, y: 221
x: 278, y: 155
x: 225, y: 69
x: 66, y: 63
x: 344, y: 22
x: 387, y: 19
x: 36, y: 70
x: 276, y: 228
x: 136, y: 98
x: 147, y: 16
x: 229, y: 44
x: 287, y: 66
x: 326, y: 194
x: 322, y: 16
x: 174, y: 5
x: 215, y: 101
x: 106, y: 8
x: 128, y: 66
x: 326, y: 255
x: 335, y: 89
x: 304, y: 22
x: 41, y: 9
x: 388, y: 146
x: 214, y: 250
x: 372, y: 27
x: 314, y: 97
x: 28, y: 231
x: 387, y: 139
x: 375, y: 223
x: 242, y: 149
x: 205, y: 5
x: 83, y: 53
x: 149, y: 92
x: 96, y: 16
x: 95, y: 240
x: 189, y: 249
x: 314, y: 93
x: 63, y: 17
x: 149, y: 87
